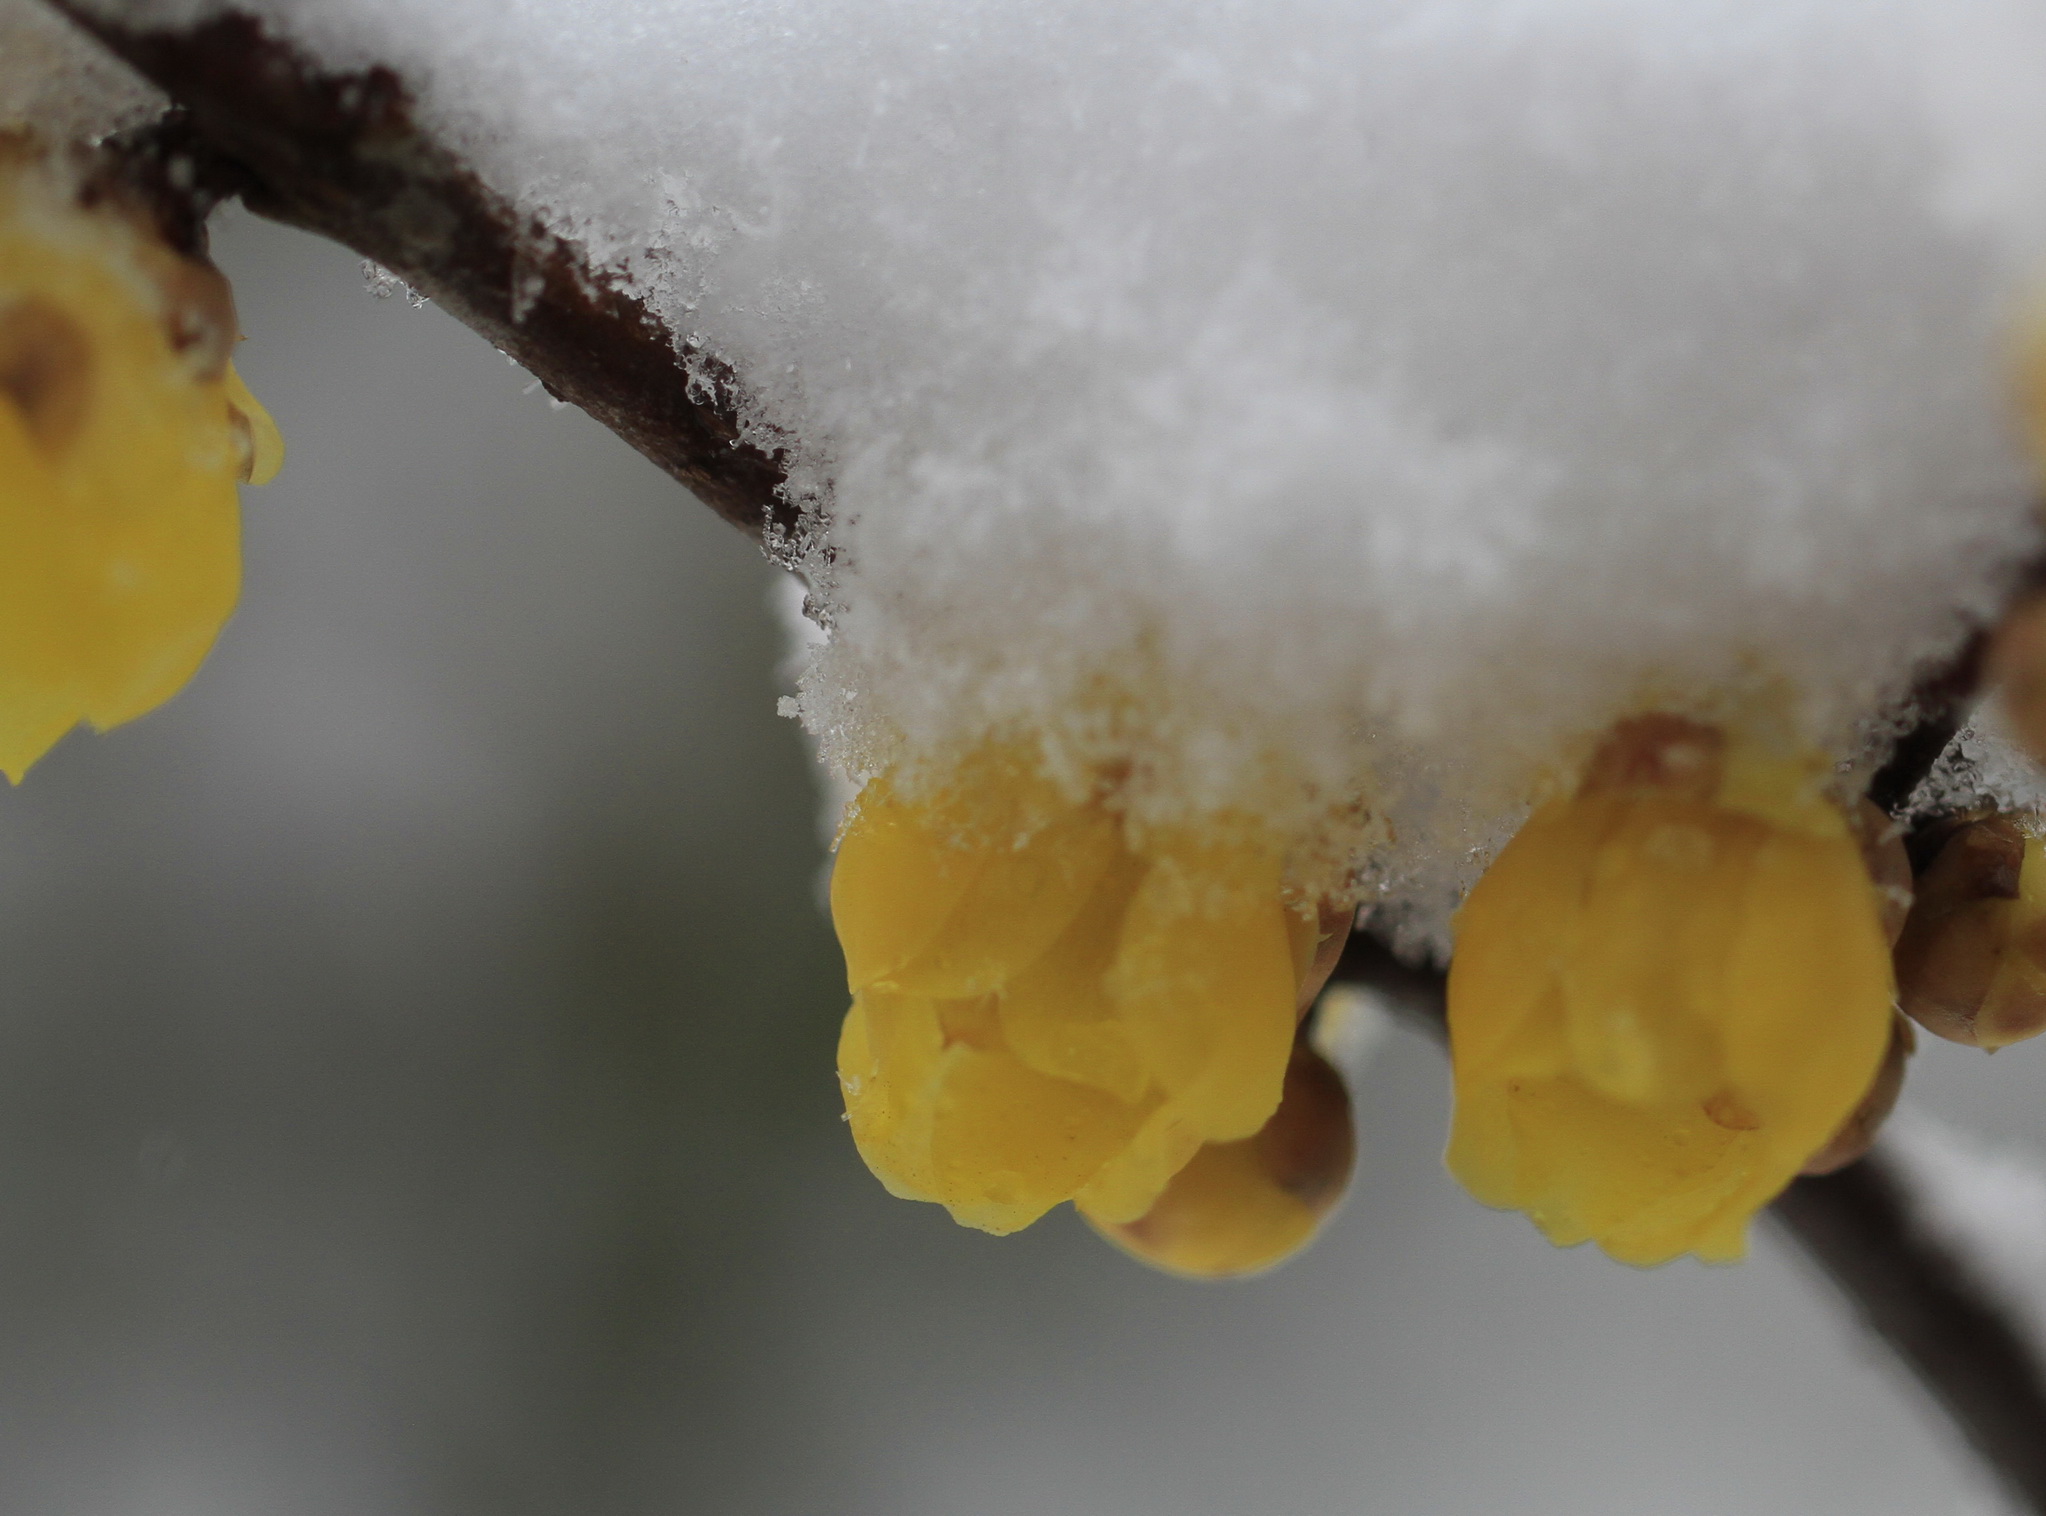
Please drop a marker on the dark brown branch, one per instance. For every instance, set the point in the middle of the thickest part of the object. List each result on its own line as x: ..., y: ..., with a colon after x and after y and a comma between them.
x: 1860, y: 1227
x: 344, y: 155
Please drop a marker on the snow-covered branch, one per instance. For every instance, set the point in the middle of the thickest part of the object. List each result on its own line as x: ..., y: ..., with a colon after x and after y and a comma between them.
x: 342, y: 154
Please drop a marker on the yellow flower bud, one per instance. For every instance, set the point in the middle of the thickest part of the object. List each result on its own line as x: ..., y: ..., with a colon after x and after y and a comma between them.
x: 1043, y: 1011
x: 123, y: 429
x: 1242, y: 1207
x: 1669, y: 992
x: 1971, y: 963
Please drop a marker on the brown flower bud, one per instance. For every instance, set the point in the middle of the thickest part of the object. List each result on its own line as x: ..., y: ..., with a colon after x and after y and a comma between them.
x: 1858, y: 1132
x: 2016, y: 666
x: 1971, y: 962
x: 1242, y: 1207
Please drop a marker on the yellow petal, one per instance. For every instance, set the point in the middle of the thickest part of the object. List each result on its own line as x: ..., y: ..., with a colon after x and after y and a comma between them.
x: 953, y: 894
x: 1130, y: 1182
x: 1241, y: 1207
x: 1203, y: 982
x: 1057, y: 1015
x: 888, y: 1055
x: 1640, y: 988
x: 1009, y: 1143
x: 896, y: 880
x: 1017, y: 904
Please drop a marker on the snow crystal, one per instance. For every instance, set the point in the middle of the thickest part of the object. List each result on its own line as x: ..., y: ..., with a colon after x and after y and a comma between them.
x: 382, y: 284
x: 1319, y: 398
x: 1983, y: 768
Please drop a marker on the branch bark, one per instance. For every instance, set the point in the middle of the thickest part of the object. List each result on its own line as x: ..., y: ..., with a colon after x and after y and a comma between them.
x: 345, y: 155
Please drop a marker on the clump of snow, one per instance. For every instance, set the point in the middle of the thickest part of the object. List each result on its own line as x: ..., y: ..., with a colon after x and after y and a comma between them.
x: 382, y: 284
x: 1316, y: 400
x: 60, y: 84
x: 790, y: 605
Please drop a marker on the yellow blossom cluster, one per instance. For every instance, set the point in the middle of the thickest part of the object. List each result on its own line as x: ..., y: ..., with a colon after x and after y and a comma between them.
x: 1672, y: 992
x: 1048, y: 1008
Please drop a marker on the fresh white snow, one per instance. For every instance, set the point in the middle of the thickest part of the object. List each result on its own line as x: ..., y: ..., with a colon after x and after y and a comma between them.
x: 1314, y: 399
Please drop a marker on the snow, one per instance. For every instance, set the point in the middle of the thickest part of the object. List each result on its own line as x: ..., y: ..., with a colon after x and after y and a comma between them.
x: 1315, y: 400
x: 1983, y: 768
x: 58, y: 82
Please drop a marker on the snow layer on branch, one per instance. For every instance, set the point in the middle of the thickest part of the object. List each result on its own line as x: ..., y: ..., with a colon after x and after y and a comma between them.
x: 57, y: 82
x: 1314, y: 396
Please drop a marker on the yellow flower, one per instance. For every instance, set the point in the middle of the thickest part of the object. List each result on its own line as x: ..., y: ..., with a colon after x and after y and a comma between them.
x: 1668, y: 993
x: 123, y: 430
x: 1043, y: 1010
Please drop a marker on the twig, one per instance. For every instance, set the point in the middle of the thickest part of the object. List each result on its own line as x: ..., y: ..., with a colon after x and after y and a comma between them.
x: 344, y: 155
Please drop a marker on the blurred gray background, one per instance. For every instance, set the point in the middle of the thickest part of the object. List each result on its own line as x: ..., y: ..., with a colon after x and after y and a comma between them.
x: 416, y: 1093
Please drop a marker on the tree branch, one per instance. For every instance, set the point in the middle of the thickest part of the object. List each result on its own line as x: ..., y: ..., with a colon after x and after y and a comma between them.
x: 344, y: 155
x: 1867, y: 1234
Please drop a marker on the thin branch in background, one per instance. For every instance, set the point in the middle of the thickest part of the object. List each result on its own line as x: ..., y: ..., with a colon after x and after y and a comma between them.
x: 345, y: 156
x: 1868, y: 1234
